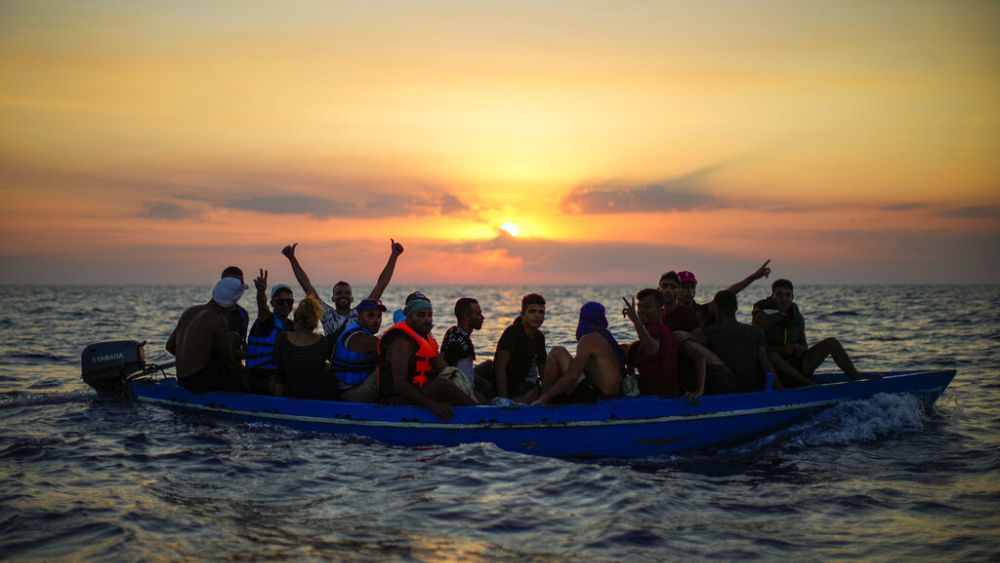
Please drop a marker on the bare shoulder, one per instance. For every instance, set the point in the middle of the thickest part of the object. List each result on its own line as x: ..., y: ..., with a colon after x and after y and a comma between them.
x: 595, y: 343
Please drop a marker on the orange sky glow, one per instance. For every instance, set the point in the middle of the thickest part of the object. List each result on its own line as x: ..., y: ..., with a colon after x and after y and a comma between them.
x: 157, y: 142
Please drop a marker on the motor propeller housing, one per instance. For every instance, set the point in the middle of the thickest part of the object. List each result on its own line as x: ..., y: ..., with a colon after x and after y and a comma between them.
x: 105, y: 365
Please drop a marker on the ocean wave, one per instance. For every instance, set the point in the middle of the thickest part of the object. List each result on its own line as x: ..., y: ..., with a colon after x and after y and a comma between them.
x: 15, y: 400
x: 37, y: 357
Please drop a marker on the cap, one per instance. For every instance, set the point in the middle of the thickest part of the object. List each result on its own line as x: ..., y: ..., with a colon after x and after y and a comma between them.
x: 687, y: 277
x: 370, y: 305
x: 416, y: 305
x: 416, y: 295
x: 280, y: 287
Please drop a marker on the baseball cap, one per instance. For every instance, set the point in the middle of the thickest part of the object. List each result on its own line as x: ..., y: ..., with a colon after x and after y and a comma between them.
x: 370, y: 305
x: 280, y: 287
x: 687, y: 277
x: 416, y: 295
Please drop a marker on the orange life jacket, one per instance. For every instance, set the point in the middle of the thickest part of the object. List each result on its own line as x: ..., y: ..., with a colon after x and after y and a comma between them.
x: 427, y: 349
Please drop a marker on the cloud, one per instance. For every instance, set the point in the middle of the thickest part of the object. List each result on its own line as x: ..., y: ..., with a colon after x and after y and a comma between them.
x: 682, y: 193
x: 910, y: 206
x: 168, y: 210
x: 973, y: 212
x: 586, y: 262
x: 362, y: 202
x: 617, y: 199
x: 290, y: 204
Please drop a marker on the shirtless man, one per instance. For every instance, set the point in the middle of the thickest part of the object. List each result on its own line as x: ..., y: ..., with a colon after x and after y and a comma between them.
x: 409, y: 363
x: 337, y: 317
x: 740, y: 346
x: 596, y: 371
x: 205, y: 357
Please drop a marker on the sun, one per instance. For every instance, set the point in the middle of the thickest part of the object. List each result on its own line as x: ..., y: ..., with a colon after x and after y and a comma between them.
x: 510, y: 228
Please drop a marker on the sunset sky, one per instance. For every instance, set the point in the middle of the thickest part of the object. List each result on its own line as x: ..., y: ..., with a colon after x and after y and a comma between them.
x: 157, y: 142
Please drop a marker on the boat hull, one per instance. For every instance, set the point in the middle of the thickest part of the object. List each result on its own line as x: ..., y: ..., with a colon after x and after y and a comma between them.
x: 626, y: 427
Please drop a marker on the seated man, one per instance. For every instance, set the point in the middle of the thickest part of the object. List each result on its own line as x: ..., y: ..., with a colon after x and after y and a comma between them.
x: 265, y: 330
x: 355, y: 358
x: 206, y: 359
x: 457, y: 348
x: 409, y: 362
x: 785, y: 332
x: 656, y: 359
x: 740, y: 346
x: 597, y: 370
x: 520, y: 355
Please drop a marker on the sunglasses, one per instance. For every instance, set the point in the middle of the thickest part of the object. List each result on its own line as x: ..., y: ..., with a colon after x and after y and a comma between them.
x: 284, y: 301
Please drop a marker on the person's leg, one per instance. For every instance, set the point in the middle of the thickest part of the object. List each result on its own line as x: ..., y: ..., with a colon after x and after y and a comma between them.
x: 556, y: 364
x: 719, y: 380
x: 786, y: 372
x: 528, y: 396
x: 446, y: 392
x: 815, y: 355
x: 485, y: 372
x: 364, y: 392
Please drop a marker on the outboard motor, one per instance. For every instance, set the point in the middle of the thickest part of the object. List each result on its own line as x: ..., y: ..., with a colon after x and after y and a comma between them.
x: 107, y: 364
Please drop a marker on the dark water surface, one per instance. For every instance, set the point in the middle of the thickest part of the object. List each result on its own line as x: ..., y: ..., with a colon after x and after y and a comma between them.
x: 879, y: 479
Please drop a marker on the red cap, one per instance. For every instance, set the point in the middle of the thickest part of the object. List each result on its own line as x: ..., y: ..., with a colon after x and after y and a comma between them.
x: 687, y: 277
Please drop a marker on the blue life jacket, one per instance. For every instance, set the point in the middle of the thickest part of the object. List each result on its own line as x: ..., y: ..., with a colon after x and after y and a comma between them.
x: 352, y: 368
x: 260, y: 349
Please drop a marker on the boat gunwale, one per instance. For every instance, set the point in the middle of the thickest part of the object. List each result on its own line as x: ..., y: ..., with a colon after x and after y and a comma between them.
x: 607, y: 408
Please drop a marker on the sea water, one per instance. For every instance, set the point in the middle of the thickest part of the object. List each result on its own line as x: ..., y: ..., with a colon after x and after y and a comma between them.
x: 879, y: 479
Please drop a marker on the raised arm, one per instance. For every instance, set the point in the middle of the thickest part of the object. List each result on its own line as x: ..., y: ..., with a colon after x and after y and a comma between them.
x: 386, y: 276
x: 300, y: 274
x: 761, y: 272
x: 260, y: 282
x: 649, y: 345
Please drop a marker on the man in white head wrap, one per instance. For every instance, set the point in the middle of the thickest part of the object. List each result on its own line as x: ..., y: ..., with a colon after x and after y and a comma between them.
x: 206, y: 360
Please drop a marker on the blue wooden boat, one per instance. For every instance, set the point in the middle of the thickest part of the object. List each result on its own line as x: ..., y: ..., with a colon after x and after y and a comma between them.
x: 626, y: 427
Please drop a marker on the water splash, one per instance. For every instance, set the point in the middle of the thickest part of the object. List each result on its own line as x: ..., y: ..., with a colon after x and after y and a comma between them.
x: 864, y: 420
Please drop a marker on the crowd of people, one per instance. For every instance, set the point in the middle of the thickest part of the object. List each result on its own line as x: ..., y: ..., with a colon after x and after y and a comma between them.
x: 682, y: 348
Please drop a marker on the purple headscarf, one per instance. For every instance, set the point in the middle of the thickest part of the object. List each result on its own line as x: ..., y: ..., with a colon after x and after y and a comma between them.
x: 594, y: 319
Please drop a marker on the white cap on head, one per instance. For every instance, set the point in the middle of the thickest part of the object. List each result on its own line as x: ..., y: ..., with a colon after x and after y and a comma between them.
x: 280, y: 287
x: 228, y: 291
